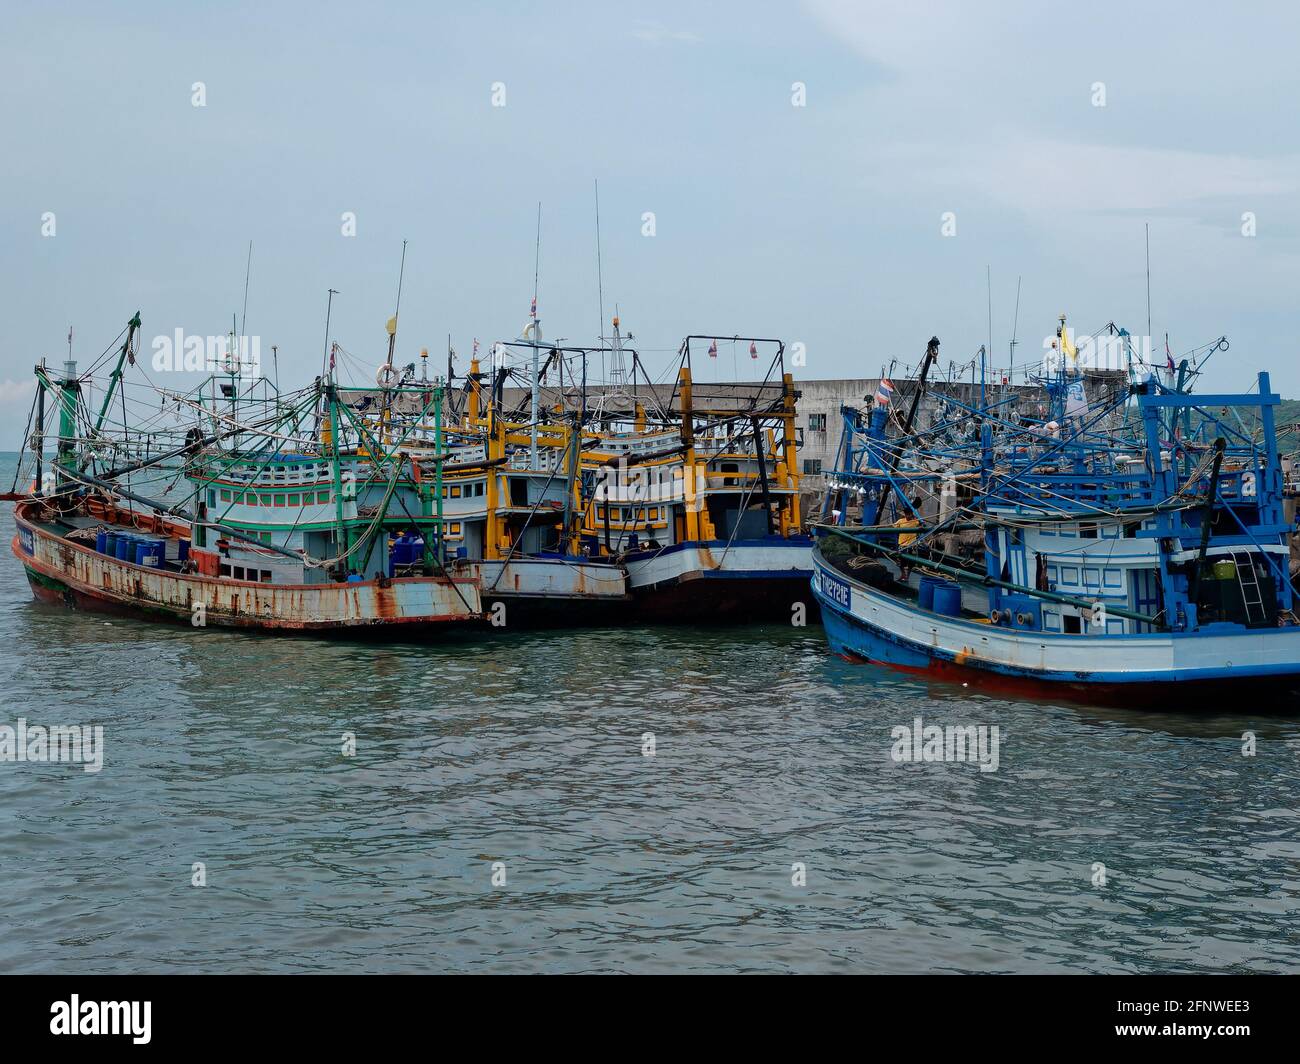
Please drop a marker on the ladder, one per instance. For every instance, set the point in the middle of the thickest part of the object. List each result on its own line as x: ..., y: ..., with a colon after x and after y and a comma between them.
x: 1251, y: 595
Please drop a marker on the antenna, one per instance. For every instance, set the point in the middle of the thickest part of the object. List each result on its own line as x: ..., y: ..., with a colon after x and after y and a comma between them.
x: 248, y: 269
x: 600, y: 278
x: 537, y: 254
x: 401, y: 272
x: 1148, y: 229
x: 329, y: 305
x: 988, y: 280
x: 1015, y: 326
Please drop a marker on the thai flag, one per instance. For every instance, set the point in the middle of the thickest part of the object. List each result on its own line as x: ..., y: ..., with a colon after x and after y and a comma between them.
x: 533, y: 311
x: 884, y: 392
x: 753, y: 349
x: 713, y: 349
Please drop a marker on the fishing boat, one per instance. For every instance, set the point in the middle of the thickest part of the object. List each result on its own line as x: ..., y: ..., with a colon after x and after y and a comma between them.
x: 513, y: 501
x: 275, y: 529
x: 1133, y: 551
x: 699, y: 498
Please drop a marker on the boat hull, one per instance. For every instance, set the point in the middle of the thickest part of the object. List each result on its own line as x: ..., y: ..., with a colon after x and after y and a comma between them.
x: 550, y: 592
x: 704, y: 583
x: 75, y: 575
x: 1161, y: 670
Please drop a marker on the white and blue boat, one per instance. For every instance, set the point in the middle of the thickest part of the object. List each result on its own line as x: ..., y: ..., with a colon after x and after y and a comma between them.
x: 1136, y: 553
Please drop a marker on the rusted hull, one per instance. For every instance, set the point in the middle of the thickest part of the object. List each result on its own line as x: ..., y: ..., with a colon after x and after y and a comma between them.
x: 60, y: 571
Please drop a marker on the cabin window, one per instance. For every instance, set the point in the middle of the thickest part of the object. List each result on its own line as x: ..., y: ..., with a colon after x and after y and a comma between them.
x: 322, y: 496
x: 455, y: 491
x: 817, y: 422
x: 238, y: 572
x: 266, y: 576
x: 225, y: 570
x: 212, y: 497
x: 225, y: 494
x: 265, y: 537
x: 279, y: 500
x: 1087, y: 530
x: 1073, y: 625
x: 266, y: 500
x: 1131, y: 529
x: 454, y: 529
x: 812, y: 467
x: 293, y: 500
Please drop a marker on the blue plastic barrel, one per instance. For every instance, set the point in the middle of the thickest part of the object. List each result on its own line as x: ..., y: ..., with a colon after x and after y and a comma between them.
x: 183, y: 549
x: 925, y: 592
x: 947, y: 599
x: 110, y: 544
x: 101, y: 538
x: 125, y: 548
x: 148, y: 552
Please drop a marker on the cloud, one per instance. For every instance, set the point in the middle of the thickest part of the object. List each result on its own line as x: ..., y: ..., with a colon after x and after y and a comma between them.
x: 16, y: 393
x: 1060, y: 176
x: 656, y: 33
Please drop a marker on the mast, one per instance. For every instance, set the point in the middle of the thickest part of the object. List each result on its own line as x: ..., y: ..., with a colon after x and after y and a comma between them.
x: 126, y: 351
x: 931, y: 356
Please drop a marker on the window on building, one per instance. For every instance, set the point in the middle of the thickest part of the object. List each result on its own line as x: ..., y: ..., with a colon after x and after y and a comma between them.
x: 817, y: 422
x: 812, y: 467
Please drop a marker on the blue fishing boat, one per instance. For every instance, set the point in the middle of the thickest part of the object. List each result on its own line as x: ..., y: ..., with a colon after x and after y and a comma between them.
x: 1132, y: 552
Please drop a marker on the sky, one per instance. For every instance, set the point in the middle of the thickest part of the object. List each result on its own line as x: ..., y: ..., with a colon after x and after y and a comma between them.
x: 936, y: 153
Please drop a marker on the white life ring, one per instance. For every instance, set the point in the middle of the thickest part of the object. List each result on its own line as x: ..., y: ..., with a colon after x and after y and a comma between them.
x: 387, y: 376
